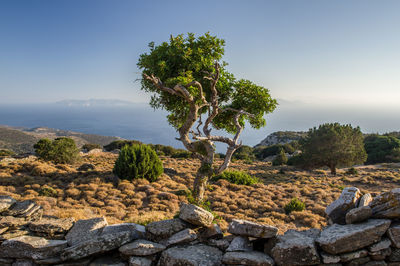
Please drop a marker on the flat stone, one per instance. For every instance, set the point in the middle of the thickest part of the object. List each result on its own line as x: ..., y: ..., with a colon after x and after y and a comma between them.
x: 376, y: 263
x: 141, y: 247
x: 138, y: 231
x: 383, y: 244
x: 387, y: 205
x: 6, y: 202
x: 31, y: 247
x: 85, y: 229
x: 80, y: 262
x: 337, y: 239
x: 195, y: 215
x: 184, y: 236
x: 329, y: 258
x: 96, y: 245
x: 381, y: 254
x: 196, y: 255
x: 348, y: 200
x: 212, y: 231
x: 33, y: 214
x: 20, y: 208
x: 365, y: 200
x: 359, y: 214
x: 346, y: 257
x: 394, y: 235
x: 251, y: 229
x: 221, y: 244
x: 108, y: 261
x: 160, y: 230
x: 358, y: 262
x: 240, y: 243
x: 139, y: 261
x: 251, y: 258
x: 12, y: 222
x: 13, y: 234
x: 50, y: 226
x: 296, y: 248
x: 2, y: 230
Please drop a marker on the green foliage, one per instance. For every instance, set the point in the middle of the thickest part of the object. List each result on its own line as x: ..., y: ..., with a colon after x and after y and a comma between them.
x: 6, y: 153
x: 163, y: 150
x: 382, y: 149
x: 138, y: 161
x: 245, y: 153
x: 351, y: 171
x: 181, y: 154
x: 48, y: 192
x: 262, y: 152
x: 280, y: 159
x: 294, y: 205
x: 60, y: 150
x: 237, y: 177
x: 91, y: 146
x: 333, y: 145
x: 118, y: 144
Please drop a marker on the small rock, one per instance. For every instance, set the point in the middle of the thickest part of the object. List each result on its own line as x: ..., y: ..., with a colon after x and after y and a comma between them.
x: 85, y: 229
x: 365, y: 200
x: 359, y: 214
x: 213, y: 231
x: 12, y: 222
x: 20, y: 208
x: 394, y: 235
x: 221, y: 244
x: 86, y: 167
x: 348, y: 200
x: 376, y: 263
x: 346, y: 257
x: 329, y: 258
x: 251, y: 229
x: 196, y: 255
x: 95, y: 151
x: 139, y: 261
x: 50, y: 226
x: 184, y: 236
x: 381, y: 254
x: 252, y: 258
x: 385, y: 243
x: 141, y: 248
x: 195, y: 215
x: 358, y: 262
x: 6, y: 202
x: 13, y: 234
x: 157, y: 231
x: 240, y: 243
x: 387, y: 205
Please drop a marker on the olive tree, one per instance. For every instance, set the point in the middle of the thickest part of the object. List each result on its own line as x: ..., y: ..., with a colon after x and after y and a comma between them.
x: 189, y: 81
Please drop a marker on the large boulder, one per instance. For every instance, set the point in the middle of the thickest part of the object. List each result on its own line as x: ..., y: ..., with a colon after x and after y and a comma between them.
x: 195, y: 215
x: 31, y: 247
x: 251, y: 258
x: 251, y: 229
x: 85, y: 229
x: 196, y: 255
x: 51, y: 227
x: 161, y: 230
x: 6, y: 202
x: 359, y: 214
x: 387, y: 205
x: 348, y: 200
x: 297, y: 248
x: 141, y: 247
x: 337, y: 238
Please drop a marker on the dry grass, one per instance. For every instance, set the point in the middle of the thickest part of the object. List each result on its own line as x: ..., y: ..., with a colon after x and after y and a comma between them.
x: 89, y: 194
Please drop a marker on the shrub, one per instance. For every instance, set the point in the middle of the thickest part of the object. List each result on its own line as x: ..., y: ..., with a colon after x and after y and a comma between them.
x: 138, y: 161
x: 237, y: 177
x: 352, y: 171
x: 91, y: 146
x: 48, y: 192
x: 245, y: 153
x: 382, y: 149
x: 294, y: 205
x: 118, y: 144
x: 60, y: 150
x: 280, y: 158
x: 6, y: 153
x: 181, y: 154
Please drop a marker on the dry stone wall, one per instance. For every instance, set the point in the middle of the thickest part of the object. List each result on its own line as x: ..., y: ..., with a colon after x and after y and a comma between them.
x: 363, y: 231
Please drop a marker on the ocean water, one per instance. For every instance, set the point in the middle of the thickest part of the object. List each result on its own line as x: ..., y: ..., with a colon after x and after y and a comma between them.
x: 141, y: 122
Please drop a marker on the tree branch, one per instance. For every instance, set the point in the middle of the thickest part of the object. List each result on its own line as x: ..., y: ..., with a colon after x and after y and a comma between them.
x: 214, y: 99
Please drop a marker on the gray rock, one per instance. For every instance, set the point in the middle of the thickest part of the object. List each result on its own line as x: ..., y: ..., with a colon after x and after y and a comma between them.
x: 6, y: 202
x: 240, y: 243
x: 141, y: 248
x: 85, y: 229
x: 348, y: 200
x: 138, y: 231
x: 196, y: 255
x: 383, y: 244
x: 81, y: 262
x: 108, y: 261
x: 31, y: 247
x: 253, y: 258
x: 139, y: 261
x: 251, y: 229
x: 6, y: 262
x: 184, y: 236
x: 96, y: 245
x: 13, y: 234
x: 359, y: 214
x: 329, y: 258
x: 20, y: 208
x: 381, y: 254
x: 387, y: 205
x: 195, y: 215
x: 358, y: 262
x: 394, y: 235
x: 160, y: 230
x: 212, y: 231
x: 376, y: 263
x: 365, y: 200
x: 346, y: 257
x: 23, y: 262
x: 50, y: 226
x: 221, y: 244
x: 86, y: 167
x: 337, y: 239
x: 296, y: 248
x: 12, y: 222
x: 33, y: 214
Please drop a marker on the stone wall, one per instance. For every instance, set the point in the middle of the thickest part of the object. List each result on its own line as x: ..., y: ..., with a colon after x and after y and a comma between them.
x: 363, y: 231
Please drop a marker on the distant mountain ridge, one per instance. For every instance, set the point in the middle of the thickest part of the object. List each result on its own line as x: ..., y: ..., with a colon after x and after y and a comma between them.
x: 281, y: 137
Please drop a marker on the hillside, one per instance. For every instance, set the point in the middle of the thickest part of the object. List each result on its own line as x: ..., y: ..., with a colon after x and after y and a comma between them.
x: 281, y: 137
x: 21, y: 140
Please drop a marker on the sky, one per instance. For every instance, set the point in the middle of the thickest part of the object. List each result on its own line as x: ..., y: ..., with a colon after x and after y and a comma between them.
x: 318, y: 53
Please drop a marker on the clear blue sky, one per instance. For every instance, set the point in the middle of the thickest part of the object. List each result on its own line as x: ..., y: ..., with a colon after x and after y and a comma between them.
x: 315, y: 52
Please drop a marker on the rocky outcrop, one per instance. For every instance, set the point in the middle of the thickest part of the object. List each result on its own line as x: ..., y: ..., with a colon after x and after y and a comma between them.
x: 338, y: 209
x: 387, y: 205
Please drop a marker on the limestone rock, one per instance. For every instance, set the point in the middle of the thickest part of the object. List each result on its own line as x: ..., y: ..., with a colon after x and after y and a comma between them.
x: 394, y: 235
x: 329, y: 258
x: 96, y: 245
x: 195, y: 215
x: 13, y: 234
x: 138, y: 231
x: 381, y: 254
x: 251, y: 229
x: 383, y: 244
x: 348, y: 200
x: 184, y: 236
x: 12, y: 222
x: 365, y: 200
x: 387, y: 205
x: 253, y: 258
x: 20, y: 208
x: 213, y: 231
x: 6, y: 202
x: 337, y: 239
x: 346, y: 257
x: 31, y: 247
x: 139, y: 261
x: 141, y: 248
x: 196, y: 255
x: 296, y: 248
x: 160, y: 230
x: 221, y: 244
x: 85, y: 229
x: 240, y: 243
x: 359, y: 214
x: 50, y: 226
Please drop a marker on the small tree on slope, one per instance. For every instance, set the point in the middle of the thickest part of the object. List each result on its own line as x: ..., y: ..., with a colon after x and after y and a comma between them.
x: 189, y: 81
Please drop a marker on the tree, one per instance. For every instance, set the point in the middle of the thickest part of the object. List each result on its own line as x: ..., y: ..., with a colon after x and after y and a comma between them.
x: 381, y: 149
x: 280, y: 158
x: 192, y: 84
x: 333, y: 145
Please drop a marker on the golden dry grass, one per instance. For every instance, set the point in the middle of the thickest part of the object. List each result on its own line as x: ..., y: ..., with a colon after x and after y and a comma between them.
x: 89, y: 194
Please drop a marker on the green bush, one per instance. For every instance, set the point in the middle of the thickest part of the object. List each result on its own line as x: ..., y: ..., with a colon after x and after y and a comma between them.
x: 245, y: 153
x: 138, y: 161
x: 382, y: 149
x: 237, y: 177
x: 6, y: 153
x: 294, y: 205
x: 91, y: 146
x: 118, y: 144
x: 60, y: 150
x: 48, y: 192
x: 280, y: 159
x: 181, y: 154
x: 352, y: 171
